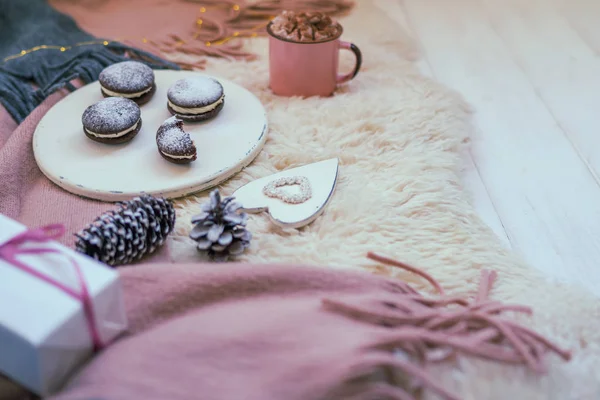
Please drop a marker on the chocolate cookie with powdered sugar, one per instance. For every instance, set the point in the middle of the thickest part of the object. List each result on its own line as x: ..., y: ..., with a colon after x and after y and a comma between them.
x: 113, y: 120
x: 196, y: 99
x: 174, y: 144
x: 130, y: 79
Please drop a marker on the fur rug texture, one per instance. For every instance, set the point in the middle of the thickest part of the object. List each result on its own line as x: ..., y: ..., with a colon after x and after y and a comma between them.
x: 400, y: 138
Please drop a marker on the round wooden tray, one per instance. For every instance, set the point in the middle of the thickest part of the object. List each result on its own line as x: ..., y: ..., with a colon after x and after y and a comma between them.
x: 225, y: 144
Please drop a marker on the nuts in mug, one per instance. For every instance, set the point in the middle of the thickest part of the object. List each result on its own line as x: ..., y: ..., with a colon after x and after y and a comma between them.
x: 304, y: 26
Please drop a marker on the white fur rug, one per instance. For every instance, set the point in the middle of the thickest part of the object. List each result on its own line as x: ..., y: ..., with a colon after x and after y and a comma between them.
x: 399, y: 137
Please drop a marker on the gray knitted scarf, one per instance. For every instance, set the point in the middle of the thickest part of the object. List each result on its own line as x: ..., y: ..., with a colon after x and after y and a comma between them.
x: 26, y: 81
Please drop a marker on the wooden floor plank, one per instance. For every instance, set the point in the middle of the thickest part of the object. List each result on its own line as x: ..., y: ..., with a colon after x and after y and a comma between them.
x: 545, y: 195
x: 563, y: 69
x: 471, y: 179
x: 482, y: 201
x: 583, y: 16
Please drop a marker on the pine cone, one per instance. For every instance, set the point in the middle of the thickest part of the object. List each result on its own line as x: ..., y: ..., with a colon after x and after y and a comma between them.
x: 137, y: 228
x: 220, y: 229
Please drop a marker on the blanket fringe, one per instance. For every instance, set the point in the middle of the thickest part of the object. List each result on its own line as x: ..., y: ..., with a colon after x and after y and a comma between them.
x: 429, y: 330
x: 229, y: 21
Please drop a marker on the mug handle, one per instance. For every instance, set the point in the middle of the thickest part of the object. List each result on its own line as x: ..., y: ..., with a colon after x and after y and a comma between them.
x: 353, y: 48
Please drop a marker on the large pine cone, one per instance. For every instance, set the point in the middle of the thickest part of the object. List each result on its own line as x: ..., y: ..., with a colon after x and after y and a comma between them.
x: 137, y: 228
x: 220, y: 230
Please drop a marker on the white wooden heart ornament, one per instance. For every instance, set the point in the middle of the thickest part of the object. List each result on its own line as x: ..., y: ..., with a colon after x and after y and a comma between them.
x: 293, y: 198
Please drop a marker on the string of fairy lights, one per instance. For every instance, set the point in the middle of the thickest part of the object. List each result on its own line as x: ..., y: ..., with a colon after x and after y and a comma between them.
x: 252, y: 32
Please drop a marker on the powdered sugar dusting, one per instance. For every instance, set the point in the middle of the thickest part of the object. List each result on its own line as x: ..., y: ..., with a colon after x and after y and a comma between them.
x: 195, y: 92
x: 171, y: 138
x: 127, y: 77
x: 112, y: 114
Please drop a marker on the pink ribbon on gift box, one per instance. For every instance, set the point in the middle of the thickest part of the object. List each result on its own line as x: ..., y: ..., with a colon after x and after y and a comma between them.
x: 10, y: 250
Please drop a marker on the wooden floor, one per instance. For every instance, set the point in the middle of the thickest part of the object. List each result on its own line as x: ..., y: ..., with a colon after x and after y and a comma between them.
x: 531, y: 70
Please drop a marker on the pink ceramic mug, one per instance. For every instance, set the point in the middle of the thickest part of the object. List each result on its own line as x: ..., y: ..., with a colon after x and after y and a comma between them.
x: 307, y: 68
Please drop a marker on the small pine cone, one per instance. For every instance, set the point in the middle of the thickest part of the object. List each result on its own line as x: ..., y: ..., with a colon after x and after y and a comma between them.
x: 220, y: 230
x: 157, y: 216
x: 137, y: 228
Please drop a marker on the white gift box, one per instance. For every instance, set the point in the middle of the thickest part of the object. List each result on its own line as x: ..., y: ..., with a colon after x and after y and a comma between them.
x: 44, y: 334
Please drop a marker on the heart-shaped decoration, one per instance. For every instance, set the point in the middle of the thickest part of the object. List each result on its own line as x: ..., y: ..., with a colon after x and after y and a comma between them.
x: 291, y: 209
